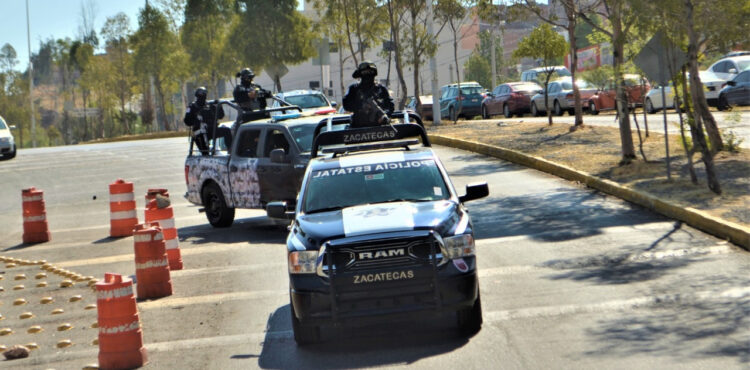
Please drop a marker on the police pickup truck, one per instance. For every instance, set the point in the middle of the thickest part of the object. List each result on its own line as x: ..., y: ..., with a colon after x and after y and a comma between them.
x: 379, y: 233
x: 264, y: 162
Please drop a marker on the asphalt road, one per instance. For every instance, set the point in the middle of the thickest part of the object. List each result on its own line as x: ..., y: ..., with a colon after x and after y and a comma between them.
x: 737, y: 121
x: 570, y: 278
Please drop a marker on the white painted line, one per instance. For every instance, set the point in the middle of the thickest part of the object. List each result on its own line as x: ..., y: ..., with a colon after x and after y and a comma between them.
x: 616, y: 305
x: 173, y: 301
x: 129, y: 257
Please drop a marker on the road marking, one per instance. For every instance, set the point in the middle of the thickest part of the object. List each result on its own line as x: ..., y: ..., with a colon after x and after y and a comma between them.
x: 129, y: 257
x: 226, y: 269
x: 211, y: 298
x: 635, y: 257
x: 616, y: 305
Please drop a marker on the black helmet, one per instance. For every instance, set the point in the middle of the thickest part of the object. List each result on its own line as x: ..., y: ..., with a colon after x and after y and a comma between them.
x: 365, y: 66
x: 246, y: 73
x: 201, y: 92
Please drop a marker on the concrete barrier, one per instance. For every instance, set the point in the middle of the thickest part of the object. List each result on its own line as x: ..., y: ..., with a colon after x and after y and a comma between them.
x: 736, y: 233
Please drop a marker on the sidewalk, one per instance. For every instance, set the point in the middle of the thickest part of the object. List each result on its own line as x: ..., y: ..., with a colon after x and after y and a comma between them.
x: 590, y: 155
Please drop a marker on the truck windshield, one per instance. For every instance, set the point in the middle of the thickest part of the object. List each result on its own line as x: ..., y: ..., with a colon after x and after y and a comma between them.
x: 409, y: 180
x: 303, y: 136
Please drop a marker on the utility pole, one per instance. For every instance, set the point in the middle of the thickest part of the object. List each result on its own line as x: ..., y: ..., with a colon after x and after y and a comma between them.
x: 31, y: 80
x: 433, y: 70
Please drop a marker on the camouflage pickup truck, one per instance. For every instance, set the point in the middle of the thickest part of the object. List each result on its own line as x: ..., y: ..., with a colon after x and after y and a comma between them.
x: 264, y: 162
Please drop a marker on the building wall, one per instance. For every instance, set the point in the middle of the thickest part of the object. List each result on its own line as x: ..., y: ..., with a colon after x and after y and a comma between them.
x: 299, y: 76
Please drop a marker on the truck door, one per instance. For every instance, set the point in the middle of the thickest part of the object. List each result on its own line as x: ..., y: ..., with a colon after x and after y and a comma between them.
x: 278, y: 181
x: 243, y: 168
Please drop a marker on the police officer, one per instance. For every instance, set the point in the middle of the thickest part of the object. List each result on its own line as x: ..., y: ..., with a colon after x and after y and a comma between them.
x: 249, y: 96
x: 368, y: 100
x: 201, y: 117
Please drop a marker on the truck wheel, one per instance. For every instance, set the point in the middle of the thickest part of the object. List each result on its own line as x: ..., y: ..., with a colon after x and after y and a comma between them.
x: 470, y: 319
x: 303, y: 334
x: 217, y: 212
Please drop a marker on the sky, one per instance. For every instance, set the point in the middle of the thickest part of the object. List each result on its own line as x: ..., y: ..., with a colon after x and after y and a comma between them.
x: 54, y: 19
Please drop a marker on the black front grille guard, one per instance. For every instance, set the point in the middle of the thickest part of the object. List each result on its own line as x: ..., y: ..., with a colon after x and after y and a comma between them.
x: 331, y: 269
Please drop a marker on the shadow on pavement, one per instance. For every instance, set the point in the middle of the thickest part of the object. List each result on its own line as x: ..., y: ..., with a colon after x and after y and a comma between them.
x: 559, y: 215
x: 255, y: 229
x: 687, y: 329
x: 20, y: 246
x: 481, y: 168
x: 376, y: 345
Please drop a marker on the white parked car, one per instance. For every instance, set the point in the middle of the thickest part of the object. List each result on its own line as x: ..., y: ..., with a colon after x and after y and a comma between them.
x: 305, y: 99
x: 711, y: 83
x: 7, y: 142
x: 729, y: 67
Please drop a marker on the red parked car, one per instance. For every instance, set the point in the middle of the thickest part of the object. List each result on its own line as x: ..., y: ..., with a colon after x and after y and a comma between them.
x: 605, y: 99
x: 509, y: 99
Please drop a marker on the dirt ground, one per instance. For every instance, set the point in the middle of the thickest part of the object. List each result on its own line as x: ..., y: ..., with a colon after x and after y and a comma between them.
x: 597, y: 150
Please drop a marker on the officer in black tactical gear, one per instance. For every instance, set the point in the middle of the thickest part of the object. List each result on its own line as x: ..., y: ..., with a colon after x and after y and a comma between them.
x: 368, y: 100
x: 201, y: 117
x: 249, y: 96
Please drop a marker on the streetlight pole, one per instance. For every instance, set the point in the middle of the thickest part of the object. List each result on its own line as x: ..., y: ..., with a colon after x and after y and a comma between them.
x: 31, y: 80
x: 433, y: 70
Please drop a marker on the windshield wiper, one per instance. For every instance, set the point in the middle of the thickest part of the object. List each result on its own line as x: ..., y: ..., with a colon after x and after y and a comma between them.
x: 327, y: 209
x: 402, y: 200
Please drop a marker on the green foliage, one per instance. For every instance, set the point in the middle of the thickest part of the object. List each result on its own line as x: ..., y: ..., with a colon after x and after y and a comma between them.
x: 732, y: 142
x: 543, y: 44
x: 283, y: 34
x: 478, y: 69
x: 598, y: 77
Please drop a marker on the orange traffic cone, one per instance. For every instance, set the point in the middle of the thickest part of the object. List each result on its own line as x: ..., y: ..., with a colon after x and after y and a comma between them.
x: 35, y: 228
x: 120, y: 335
x: 122, y: 213
x: 151, y: 263
x: 158, y: 209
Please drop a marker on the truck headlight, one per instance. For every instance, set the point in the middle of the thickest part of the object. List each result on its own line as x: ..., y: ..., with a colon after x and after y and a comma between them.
x: 302, y: 262
x: 459, y: 246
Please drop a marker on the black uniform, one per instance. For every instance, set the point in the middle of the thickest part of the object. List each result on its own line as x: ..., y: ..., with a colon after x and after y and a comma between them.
x: 369, y: 101
x: 202, y: 118
x: 359, y: 100
x: 249, y: 105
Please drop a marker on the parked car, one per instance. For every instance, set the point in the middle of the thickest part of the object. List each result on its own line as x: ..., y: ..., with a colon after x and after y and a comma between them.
x: 425, y: 106
x: 538, y: 75
x: 560, y: 97
x: 7, y: 142
x: 727, y: 68
x: 737, y: 91
x: 305, y: 99
x: 605, y: 99
x: 711, y: 83
x: 471, y: 98
x: 509, y: 99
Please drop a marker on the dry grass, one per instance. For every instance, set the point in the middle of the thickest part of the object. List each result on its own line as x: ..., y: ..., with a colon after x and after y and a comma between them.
x: 596, y: 150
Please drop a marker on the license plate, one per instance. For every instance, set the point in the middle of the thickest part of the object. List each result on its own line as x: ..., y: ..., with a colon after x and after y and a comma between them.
x: 474, y: 100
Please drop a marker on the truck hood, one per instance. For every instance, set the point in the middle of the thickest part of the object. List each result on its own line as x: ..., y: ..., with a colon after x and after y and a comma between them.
x: 441, y: 216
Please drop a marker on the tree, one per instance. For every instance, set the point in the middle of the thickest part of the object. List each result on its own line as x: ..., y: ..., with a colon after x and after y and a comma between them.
x: 455, y: 13
x: 153, y: 43
x: 477, y: 68
x: 395, y: 17
x: 547, y: 46
x: 8, y: 58
x: 116, y: 33
x: 419, y: 45
x: 598, y: 77
x: 572, y: 10
x: 205, y: 38
x: 283, y: 33
x: 621, y: 18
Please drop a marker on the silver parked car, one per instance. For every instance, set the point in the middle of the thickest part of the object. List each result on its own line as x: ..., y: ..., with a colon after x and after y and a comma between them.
x: 560, y: 97
x: 7, y: 142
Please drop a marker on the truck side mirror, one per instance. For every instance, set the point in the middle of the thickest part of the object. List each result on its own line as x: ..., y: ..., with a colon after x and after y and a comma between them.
x: 334, y: 104
x: 12, y: 127
x: 278, y: 155
x: 278, y: 210
x: 475, y: 191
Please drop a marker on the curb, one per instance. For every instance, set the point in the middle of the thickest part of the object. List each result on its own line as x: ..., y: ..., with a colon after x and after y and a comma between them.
x: 716, y: 226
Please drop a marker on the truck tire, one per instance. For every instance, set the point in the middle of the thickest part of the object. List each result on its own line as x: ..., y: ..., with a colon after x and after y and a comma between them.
x: 217, y: 212
x: 470, y: 319
x: 303, y: 334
